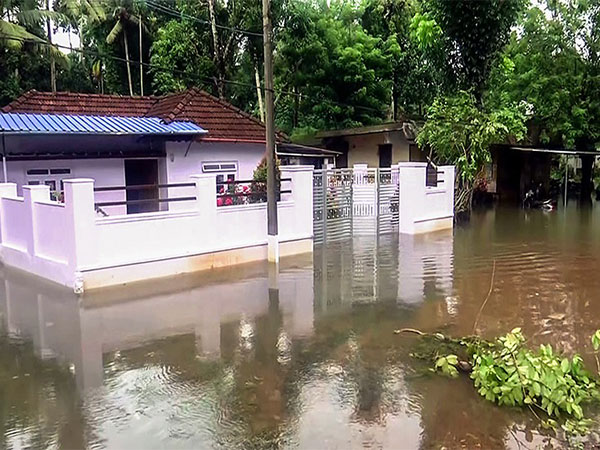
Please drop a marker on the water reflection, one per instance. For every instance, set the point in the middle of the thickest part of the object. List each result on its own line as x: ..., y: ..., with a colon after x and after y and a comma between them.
x: 235, y: 360
x: 388, y: 268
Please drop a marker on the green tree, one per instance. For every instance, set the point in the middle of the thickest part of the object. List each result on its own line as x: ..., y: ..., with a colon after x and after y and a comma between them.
x: 179, y: 45
x: 460, y: 132
x: 22, y: 21
x: 338, y: 74
x: 125, y: 21
x: 412, y: 75
x: 24, y: 46
x: 553, y: 64
x: 464, y: 37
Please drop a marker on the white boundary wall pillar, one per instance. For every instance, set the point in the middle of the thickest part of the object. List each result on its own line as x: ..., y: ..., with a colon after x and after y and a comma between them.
x: 206, y: 203
x: 81, y: 216
x: 32, y: 194
x: 6, y: 190
x: 302, y: 198
x: 424, y: 209
x: 411, y: 178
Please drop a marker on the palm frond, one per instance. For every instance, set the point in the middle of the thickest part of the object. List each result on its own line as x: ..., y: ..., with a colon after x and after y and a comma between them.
x: 13, y: 35
x: 31, y: 17
x: 92, y: 10
x: 95, y: 10
x: 114, y: 33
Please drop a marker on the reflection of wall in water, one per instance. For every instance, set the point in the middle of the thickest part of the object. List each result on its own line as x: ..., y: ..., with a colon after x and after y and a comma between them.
x: 80, y: 333
x: 425, y: 266
x: 389, y: 267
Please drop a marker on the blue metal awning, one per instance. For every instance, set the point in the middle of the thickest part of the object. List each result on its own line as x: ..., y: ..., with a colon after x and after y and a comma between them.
x: 64, y: 124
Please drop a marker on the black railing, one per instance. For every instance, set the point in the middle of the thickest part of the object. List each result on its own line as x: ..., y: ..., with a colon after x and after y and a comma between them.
x: 142, y: 201
x: 431, y: 176
x: 141, y: 187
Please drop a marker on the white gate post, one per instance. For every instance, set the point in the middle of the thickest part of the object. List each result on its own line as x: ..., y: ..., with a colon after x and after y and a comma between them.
x: 411, y: 178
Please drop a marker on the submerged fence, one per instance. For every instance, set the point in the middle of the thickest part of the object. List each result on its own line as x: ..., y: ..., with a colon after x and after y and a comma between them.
x: 366, y: 201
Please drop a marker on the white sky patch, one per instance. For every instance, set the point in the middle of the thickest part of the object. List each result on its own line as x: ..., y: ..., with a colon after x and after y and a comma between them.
x: 65, y: 38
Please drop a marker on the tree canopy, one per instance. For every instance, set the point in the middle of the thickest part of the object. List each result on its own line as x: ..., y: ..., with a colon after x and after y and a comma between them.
x: 338, y: 63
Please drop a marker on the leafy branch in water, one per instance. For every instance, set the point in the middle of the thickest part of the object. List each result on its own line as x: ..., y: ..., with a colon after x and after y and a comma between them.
x: 506, y: 372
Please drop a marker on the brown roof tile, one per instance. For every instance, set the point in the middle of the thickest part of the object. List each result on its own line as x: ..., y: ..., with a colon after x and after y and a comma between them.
x: 222, y: 120
x: 73, y: 103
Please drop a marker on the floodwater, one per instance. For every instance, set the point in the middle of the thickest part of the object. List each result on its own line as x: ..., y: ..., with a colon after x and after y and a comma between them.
x: 307, y: 360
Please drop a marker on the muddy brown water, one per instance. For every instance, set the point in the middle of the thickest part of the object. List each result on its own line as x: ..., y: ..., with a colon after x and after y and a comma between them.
x: 230, y: 359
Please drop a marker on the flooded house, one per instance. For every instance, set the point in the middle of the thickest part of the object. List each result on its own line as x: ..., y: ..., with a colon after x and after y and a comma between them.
x: 106, y: 190
x: 230, y: 147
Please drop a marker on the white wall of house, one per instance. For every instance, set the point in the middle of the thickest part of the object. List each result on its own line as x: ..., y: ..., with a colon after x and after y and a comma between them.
x: 184, y: 160
x: 104, y: 171
x: 363, y: 149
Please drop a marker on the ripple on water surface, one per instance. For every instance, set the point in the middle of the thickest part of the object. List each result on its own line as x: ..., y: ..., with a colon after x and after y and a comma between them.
x: 226, y: 361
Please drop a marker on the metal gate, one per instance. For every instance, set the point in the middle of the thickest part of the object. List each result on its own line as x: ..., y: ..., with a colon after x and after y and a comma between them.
x: 357, y: 201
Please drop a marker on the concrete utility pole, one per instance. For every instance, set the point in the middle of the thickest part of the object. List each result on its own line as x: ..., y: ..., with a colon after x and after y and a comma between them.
x: 272, y: 232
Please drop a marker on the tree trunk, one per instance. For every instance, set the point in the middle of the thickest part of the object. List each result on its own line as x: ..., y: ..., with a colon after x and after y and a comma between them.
x: 52, y: 60
x: 587, y: 183
x: 141, y: 65
x: 259, y: 93
x: 394, y: 98
x: 217, y: 57
x: 295, y: 118
x: 127, y: 58
x: 463, y: 197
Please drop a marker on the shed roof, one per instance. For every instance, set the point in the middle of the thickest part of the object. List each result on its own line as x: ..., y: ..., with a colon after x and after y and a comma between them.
x: 370, y: 129
x: 66, y: 124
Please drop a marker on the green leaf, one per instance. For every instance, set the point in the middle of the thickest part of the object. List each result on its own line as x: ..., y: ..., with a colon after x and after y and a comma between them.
x: 564, y: 365
x: 596, y: 340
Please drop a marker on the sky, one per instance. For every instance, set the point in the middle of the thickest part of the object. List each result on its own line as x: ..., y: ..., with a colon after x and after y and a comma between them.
x: 61, y: 37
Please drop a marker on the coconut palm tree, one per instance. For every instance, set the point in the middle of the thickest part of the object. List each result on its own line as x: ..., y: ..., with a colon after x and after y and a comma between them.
x: 19, y: 21
x: 125, y: 20
x: 82, y: 12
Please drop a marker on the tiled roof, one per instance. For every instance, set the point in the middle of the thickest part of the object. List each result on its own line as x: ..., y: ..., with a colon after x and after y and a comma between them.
x: 81, y: 104
x: 222, y: 120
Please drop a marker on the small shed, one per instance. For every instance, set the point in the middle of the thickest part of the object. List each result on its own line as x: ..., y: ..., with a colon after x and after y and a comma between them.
x: 376, y: 145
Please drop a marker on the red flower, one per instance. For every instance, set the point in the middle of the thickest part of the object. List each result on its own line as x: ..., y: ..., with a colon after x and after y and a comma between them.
x: 219, y: 201
x: 228, y: 201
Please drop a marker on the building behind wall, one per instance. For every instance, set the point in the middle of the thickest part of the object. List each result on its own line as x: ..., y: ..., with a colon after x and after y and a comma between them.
x: 377, y: 146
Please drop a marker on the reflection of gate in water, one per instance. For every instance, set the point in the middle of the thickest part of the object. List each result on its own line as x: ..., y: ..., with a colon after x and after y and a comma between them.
x: 358, y: 201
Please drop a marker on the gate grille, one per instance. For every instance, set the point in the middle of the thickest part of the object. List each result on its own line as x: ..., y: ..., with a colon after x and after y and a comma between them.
x: 388, y: 198
x: 332, y: 204
x: 356, y: 201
